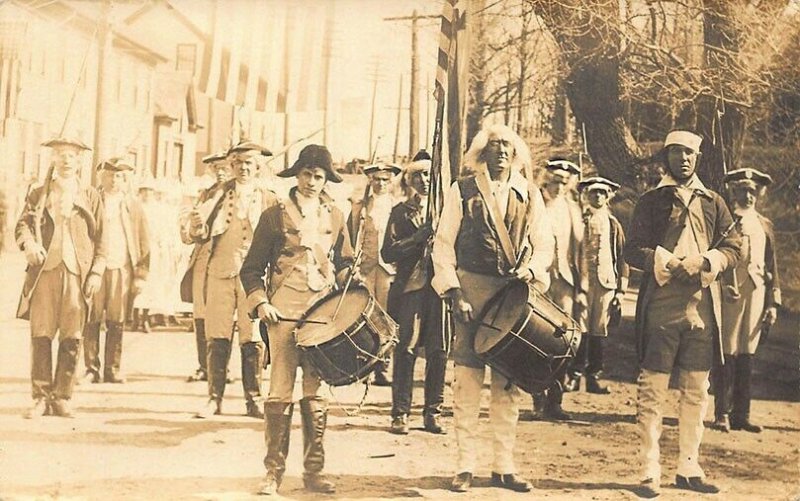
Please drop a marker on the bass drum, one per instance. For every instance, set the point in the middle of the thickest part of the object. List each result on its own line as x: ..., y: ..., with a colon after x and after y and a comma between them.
x: 346, y: 349
x: 526, y: 337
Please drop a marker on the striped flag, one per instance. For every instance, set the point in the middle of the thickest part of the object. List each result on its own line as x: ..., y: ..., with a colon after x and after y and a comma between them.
x: 236, y: 57
x: 450, y: 93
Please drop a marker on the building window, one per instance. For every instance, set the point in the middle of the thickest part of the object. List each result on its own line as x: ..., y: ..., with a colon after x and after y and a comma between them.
x: 186, y: 57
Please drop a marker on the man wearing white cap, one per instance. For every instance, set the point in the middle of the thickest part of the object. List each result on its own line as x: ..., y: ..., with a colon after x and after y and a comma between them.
x: 229, y: 227
x: 603, y: 277
x: 193, y: 283
x: 752, y: 295
x: 565, y: 284
x: 127, y: 266
x: 681, y: 237
x: 367, y: 225
x: 61, y: 232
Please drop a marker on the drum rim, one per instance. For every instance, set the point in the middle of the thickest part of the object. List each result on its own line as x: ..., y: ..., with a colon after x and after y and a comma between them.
x: 351, y: 329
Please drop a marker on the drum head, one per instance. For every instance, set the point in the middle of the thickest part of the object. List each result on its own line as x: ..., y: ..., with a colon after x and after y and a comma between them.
x: 500, y: 315
x: 353, y: 306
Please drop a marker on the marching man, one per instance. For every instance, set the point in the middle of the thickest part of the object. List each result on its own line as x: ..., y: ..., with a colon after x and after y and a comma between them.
x: 301, y: 245
x: 229, y: 227
x: 127, y: 265
x: 61, y: 232
x: 752, y: 295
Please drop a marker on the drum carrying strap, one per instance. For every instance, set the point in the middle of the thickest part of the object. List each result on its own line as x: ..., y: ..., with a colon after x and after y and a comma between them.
x: 494, y: 214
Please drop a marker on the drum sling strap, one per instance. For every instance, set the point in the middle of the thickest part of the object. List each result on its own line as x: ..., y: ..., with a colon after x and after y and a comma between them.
x: 494, y: 215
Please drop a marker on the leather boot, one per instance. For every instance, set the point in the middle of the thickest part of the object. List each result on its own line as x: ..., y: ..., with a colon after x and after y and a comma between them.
x: 552, y: 409
x: 402, y: 382
x: 113, y: 353
x: 740, y: 417
x: 722, y: 379
x: 218, y: 353
x: 64, y: 381
x: 578, y: 366
x: 278, y: 426
x: 201, y: 374
x: 251, y: 378
x: 594, y: 365
x: 91, y: 351
x: 41, y: 376
x: 435, y: 366
x: 314, y: 412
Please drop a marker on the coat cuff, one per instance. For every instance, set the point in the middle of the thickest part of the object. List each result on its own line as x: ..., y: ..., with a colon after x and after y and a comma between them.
x: 255, y: 299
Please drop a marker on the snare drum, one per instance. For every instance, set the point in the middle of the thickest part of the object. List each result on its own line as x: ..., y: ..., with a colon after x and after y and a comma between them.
x: 526, y: 337
x: 347, y: 348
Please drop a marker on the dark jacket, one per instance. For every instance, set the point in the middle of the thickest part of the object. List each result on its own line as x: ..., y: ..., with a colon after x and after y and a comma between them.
x: 652, y: 217
x: 276, y: 249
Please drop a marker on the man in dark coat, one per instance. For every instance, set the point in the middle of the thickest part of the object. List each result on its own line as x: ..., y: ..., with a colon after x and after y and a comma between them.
x: 681, y: 237
x: 61, y: 232
x: 414, y: 304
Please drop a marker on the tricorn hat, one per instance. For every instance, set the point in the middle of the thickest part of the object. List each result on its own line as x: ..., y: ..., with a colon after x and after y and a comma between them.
x: 313, y: 155
x: 249, y: 147
x: 66, y: 141
x: 115, y: 164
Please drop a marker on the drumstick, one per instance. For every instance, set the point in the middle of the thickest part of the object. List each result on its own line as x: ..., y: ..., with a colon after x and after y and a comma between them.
x: 347, y: 284
x: 303, y: 320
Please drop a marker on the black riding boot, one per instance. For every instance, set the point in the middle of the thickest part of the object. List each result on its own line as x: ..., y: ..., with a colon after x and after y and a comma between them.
x: 314, y: 412
x: 435, y: 367
x: 578, y: 366
x: 595, y: 365
x: 722, y: 379
x: 252, y: 356
x: 218, y: 353
x: 113, y: 353
x: 41, y: 376
x: 64, y: 381
x: 91, y: 351
x: 740, y: 416
x: 201, y: 374
x: 278, y: 426
x: 552, y: 409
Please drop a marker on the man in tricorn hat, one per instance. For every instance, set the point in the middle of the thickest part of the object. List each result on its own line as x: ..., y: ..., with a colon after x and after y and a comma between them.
x: 367, y: 226
x: 229, y: 228
x: 300, y: 245
x: 603, y: 277
x: 194, y: 280
x: 681, y: 237
x: 127, y: 265
x: 752, y: 296
x: 61, y: 232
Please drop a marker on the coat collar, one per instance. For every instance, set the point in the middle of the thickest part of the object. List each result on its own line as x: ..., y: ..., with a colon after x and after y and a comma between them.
x: 694, y: 184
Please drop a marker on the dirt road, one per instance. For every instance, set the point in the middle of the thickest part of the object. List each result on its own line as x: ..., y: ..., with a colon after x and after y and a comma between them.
x: 139, y: 440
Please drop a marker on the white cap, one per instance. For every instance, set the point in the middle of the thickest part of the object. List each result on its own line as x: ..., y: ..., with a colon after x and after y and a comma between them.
x: 684, y: 138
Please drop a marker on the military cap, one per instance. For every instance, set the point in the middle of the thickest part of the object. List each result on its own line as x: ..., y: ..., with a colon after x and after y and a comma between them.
x: 381, y: 167
x: 421, y: 155
x: 66, y: 141
x: 115, y: 164
x: 562, y: 164
x: 313, y: 155
x: 683, y: 138
x: 748, y: 175
x: 597, y: 183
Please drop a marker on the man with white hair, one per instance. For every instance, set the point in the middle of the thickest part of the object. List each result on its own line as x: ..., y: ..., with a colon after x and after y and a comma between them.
x: 492, y: 229
x: 229, y: 228
x: 681, y: 237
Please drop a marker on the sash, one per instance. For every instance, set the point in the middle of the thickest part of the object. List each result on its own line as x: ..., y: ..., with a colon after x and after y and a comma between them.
x: 494, y: 215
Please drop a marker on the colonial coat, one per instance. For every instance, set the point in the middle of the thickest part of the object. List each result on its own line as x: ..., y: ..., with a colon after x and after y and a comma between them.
x: 137, y: 235
x: 200, y: 252
x: 655, y: 212
x: 86, y: 230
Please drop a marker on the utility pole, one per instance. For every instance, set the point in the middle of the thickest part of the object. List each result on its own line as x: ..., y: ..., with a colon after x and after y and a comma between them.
x: 327, y: 50
x: 285, y: 82
x: 103, y: 52
x: 375, y: 78
x: 397, y: 128
x: 413, y: 122
x: 428, y: 95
